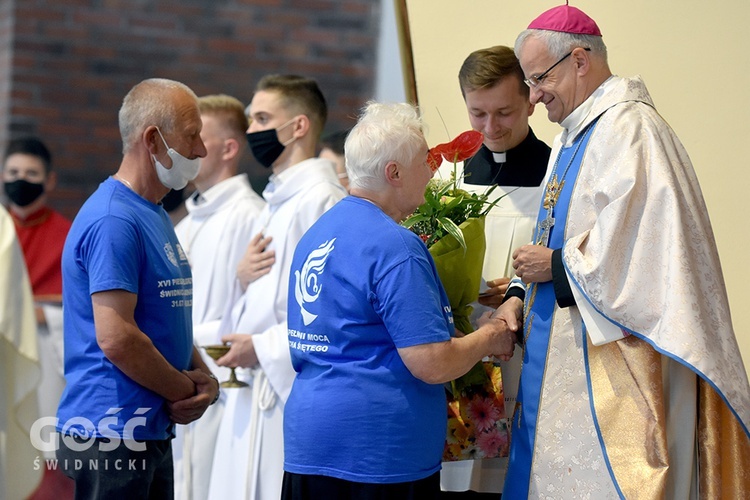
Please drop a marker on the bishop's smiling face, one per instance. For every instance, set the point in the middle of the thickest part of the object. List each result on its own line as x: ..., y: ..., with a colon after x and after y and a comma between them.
x: 557, y: 91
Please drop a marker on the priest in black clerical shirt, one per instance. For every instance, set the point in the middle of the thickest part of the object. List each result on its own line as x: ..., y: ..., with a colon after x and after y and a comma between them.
x: 512, y: 157
x: 524, y: 165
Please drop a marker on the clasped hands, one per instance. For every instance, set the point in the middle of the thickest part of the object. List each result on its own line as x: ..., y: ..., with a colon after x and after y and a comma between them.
x: 505, y: 322
x: 191, y: 408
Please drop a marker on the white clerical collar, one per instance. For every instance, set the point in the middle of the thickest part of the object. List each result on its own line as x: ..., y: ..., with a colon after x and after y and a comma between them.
x: 499, y: 157
x: 577, y: 120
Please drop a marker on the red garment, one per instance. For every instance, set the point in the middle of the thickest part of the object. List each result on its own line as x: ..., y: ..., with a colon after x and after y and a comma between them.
x: 42, y: 236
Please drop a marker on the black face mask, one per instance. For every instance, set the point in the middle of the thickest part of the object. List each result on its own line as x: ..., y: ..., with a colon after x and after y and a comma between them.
x: 265, y: 146
x: 23, y: 192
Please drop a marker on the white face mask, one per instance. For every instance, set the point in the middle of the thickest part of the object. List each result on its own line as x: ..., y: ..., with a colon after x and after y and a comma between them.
x: 183, y: 170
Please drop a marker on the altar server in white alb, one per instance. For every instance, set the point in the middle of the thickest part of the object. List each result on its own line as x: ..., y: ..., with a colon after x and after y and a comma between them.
x: 214, y: 235
x: 632, y: 383
x: 287, y: 115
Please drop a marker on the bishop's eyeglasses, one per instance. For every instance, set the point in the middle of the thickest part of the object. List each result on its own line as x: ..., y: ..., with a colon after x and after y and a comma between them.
x: 534, y: 81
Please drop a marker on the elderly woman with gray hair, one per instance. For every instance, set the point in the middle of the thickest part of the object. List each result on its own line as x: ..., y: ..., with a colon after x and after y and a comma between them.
x: 371, y: 332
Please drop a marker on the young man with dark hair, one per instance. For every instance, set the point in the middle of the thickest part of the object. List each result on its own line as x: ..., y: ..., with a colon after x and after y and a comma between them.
x: 287, y: 114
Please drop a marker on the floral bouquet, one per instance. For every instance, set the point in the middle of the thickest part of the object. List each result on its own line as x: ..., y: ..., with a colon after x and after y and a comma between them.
x: 477, y: 427
x: 451, y: 223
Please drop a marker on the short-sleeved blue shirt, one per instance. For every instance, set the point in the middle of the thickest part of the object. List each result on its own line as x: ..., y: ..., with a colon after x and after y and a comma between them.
x: 362, y: 286
x: 120, y: 241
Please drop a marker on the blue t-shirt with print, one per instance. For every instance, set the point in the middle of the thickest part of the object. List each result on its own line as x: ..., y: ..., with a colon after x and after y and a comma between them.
x: 362, y: 286
x: 120, y: 241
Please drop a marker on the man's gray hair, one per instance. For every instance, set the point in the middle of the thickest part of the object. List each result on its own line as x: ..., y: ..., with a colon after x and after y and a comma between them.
x: 384, y: 133
x: 559, y: 43
x: 147, y: 104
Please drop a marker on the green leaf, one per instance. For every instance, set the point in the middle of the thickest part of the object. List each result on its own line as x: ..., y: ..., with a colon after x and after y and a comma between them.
x: 414, y: 219
x: 453, y: 203
x: 453, y: 230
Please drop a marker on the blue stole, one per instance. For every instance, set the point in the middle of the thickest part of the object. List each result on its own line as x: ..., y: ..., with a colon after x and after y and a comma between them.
x: 539, y: 316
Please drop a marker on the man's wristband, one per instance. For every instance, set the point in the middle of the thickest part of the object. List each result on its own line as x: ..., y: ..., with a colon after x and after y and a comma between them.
x: 218, y: 387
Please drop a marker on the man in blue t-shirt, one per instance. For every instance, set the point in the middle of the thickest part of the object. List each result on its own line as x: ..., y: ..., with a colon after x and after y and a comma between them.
x: 130, y: 366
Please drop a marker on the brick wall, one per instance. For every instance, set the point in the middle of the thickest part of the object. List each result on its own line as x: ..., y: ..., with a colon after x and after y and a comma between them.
x: 72, y: 61
x: 6, y: 49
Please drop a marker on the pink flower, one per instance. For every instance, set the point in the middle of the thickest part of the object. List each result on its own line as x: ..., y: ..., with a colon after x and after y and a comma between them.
x: 493, y: 443
x: 483, y: 413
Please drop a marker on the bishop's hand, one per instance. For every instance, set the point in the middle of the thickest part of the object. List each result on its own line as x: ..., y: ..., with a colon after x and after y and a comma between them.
x: 533, y: 263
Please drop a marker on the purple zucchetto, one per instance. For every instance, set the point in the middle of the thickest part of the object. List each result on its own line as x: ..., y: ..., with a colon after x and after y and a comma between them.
x: 566, y: 19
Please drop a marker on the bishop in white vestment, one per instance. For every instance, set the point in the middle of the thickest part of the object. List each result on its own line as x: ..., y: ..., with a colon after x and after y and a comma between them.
x: 632, y: 384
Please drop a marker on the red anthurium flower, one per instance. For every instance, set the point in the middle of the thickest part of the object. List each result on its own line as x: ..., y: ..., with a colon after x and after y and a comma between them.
x: 434, y: 159
x: 462, y: 147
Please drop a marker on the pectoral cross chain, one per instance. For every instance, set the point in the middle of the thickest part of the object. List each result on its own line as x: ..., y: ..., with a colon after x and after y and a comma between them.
x: 552, y: 193
x: 554, y: 189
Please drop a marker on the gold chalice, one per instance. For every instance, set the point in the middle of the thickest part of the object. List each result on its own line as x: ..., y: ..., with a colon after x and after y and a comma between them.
x: 218, y: 350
